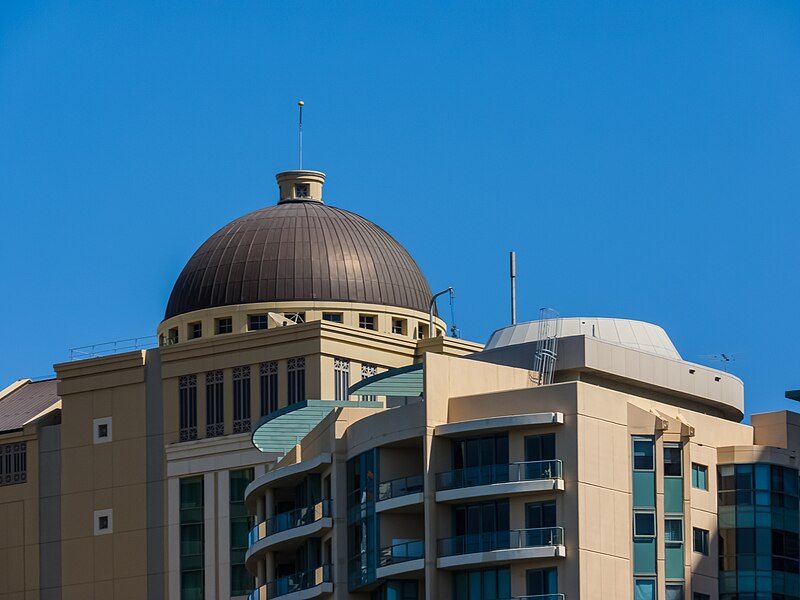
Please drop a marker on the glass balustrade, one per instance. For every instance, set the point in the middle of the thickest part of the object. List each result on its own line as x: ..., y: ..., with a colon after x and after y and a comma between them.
x: 490, y: 474
x: 501, y: 540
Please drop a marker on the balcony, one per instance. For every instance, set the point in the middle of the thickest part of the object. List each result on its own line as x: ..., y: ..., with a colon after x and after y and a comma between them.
x: 499, y: 480
x: 399, y: 494
x: 298, y: 586
x: 289, y: 529
x: 541, y: 597
x: 497, y: 546
x: 401, y: 559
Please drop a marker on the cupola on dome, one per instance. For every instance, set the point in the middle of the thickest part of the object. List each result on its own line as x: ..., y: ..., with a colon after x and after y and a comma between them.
x: 299, y: 250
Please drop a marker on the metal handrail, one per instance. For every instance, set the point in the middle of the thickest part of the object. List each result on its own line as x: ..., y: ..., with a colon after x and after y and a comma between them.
x: 115, y: 347
x: 500, y: 540
x: 402, y: 552
x: 490, y: 474
x: 301, y: 580
x: 402, y: 486
x: 290, y: 520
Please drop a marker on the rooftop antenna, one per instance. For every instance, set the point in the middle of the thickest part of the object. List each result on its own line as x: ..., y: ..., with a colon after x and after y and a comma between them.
x: 513, y: 288
x: 722, y: 357
x: 449, y: 290
x: 301, y: 104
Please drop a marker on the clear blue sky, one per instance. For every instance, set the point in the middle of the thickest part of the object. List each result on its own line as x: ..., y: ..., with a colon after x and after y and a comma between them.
x: 642, y: 158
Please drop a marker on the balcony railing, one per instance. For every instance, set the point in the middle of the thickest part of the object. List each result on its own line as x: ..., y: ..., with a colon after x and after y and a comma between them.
x: 296, y: 582
x: 490, y: 474
x: 400, y: 487
x: 403, y: 552
x: 540, y: 597
x: 290, y: 520
x: 501, y: 540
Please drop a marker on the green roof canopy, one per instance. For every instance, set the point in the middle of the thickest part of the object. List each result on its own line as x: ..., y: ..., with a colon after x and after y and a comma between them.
x: 405, y: 381
x: 283, y: 429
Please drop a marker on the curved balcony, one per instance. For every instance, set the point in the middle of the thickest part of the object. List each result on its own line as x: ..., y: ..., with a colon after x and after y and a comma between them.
x: 399, y: 494
x: 401, y: 559
x: 499, y: 480
x: 497, y: 546
x: 298, y: 586
x: 289, y: 529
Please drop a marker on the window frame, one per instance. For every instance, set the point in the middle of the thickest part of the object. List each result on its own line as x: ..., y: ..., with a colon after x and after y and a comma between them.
x: 223, y: 323
x: 673, y: 446
x: 373, y: 321
x: 667, y: 539
x: 704, y: 541
x: 651, y: 441
x: 696, y: 469
x: 652, y: 515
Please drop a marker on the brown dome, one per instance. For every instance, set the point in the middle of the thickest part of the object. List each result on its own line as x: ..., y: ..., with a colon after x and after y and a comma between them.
x: 299, y: 250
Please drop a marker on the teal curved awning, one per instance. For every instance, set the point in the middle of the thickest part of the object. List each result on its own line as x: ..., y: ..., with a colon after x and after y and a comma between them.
x: 283, y: 429
x: 404, y: 381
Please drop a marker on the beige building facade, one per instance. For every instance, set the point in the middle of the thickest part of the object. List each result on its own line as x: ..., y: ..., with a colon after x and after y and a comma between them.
x: 304, y: 428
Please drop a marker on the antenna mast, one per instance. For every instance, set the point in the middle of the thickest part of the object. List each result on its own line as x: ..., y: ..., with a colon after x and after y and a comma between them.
x: 301, y: 104
x: 513, y: 288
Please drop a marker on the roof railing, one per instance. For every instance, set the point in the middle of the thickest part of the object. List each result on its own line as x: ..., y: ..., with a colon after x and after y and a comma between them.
x: 116, y: 347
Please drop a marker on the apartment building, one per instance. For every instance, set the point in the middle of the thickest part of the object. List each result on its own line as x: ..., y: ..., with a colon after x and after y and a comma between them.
x: 630, y: 476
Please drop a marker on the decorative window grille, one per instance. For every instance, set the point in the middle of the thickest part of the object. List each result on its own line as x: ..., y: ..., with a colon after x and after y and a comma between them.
x: 296, y: 368
x: 241, y: 399
x: 368, y: 370
x: 269, y: 387
x: 13, y: 464
x: 187, y: 393
x: 341, y: 378
x: 215, y: 416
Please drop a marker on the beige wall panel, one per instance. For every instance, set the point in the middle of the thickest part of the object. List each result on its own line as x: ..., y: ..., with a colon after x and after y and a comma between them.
x: 13, y: 570
x: 129, y: 412
x: 131, y: 588
x: 103, y: 465
x: 76, y: 420
x: 130, y: 553
x: 77, y: 514
x: 104, y: 589
x: 398, y: 526
x: 130, y: 461
x: 130, y: 508
x: 400, y: 462
x: 104, y: 563
x: 77, y: 469
x: 76, y: 565
x: 83, y: 591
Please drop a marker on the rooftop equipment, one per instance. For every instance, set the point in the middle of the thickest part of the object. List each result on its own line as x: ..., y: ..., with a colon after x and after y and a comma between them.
x: 544, y: 361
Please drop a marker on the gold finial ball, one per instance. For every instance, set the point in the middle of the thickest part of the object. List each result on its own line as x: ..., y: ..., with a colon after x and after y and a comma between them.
x: 301, y: 103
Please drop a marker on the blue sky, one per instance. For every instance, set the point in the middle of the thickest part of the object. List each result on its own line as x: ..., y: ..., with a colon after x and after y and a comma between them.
x: 641, y: 158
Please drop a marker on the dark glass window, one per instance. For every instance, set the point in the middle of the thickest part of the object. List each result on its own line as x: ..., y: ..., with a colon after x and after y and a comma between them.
x: 195, y: 330
x: 187, y: 400
x: 644, y: 524
x: 700, y: 540
x: 215, y: 412
x: 332, y: 317
x: 674, y: 591
x: 397, y: 590
x: 296, y: 370
x: 366, y: 321
x: 672, y: 460
x: 241, y: 399
x: 224, y: 325
x: 643, y: 454
x: 269, y: 387
x: 191, y: 538
x: 540, y: 447
x: 482, y: 584
x: 644, y: 589
x: 341, y: 378
x: 242, y: 583
x: 699, y: 476
x: 540, y: 514
x: 541, y: 582
x: 673, y: 530
x: 399, y: 326
x: 257, y: 322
